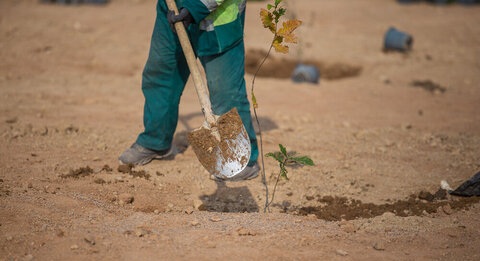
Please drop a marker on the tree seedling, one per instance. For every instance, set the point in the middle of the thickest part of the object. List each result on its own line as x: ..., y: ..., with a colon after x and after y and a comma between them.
x: 282, y: 35
x: 285, y: 159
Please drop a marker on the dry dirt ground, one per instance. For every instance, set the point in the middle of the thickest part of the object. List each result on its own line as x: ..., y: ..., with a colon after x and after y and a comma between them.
x: 71, y: 103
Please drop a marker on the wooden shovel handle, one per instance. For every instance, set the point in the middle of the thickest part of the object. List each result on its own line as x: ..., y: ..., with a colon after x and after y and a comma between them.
x: 198, y: 81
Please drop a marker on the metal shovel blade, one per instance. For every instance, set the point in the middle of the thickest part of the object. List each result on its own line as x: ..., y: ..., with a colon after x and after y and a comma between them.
x: 224, y: 148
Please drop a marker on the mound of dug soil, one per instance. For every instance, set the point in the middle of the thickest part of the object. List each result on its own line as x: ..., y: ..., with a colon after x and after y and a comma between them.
x: 342, y: 208
x: 283, y: 68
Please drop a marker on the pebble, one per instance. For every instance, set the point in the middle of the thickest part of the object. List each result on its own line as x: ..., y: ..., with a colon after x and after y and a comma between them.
x: 90, y: 240
x: 425, y: 213
x: 380, y: 246
x: 215, y: 219
x: 140, y: 232
x: 126, y: 198
x: 387, y: 215
x: 198, y: 204
x: 74, y: 247
x: 194, y: 223
x: 341, y: 252
x: 447, y: 209
x: 241, y: 231
x: 59, y: 233
x: 348, y: 227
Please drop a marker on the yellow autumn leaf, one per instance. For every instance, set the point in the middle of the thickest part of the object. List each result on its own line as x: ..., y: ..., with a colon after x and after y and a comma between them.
x: 267, y: 20
x: 279, y: 47
x: 287, y: 30
x: 254, y: 101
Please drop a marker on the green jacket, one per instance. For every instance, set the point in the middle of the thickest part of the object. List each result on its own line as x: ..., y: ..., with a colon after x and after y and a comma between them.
x: 218, y: 24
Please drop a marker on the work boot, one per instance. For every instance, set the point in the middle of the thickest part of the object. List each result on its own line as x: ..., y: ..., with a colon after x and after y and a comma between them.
x: 138, y: 155
x: 249, y: 172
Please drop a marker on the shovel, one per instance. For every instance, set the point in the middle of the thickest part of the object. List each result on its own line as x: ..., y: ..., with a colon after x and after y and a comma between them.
x: 222, y: 145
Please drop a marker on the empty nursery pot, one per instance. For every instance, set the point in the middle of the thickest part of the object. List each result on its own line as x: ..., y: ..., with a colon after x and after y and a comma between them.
x: 306, y: 73
x: 397, y: 40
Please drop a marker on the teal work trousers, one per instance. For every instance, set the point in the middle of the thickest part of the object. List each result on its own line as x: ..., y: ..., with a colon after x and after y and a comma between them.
x: 165, y: 75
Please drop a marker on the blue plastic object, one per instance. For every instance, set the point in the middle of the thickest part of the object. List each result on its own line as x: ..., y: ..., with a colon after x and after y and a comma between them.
x: 468, y: 2
x: 306, y: 73
x: 397, y: 40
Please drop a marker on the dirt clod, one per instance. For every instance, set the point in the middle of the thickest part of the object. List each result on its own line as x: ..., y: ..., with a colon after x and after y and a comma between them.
x: 425, y: 195
x: 107, y: 168
x: 125, y: 168
x: 77, y: 173
x: 429, y: 86
x: 129, y: 169
x: 99, y: 181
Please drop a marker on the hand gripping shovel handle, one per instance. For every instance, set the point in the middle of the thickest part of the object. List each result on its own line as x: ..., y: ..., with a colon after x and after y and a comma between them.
x: 200, y: 86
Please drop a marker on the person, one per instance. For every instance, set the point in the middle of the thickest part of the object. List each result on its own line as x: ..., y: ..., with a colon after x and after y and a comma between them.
x: 215, y: 29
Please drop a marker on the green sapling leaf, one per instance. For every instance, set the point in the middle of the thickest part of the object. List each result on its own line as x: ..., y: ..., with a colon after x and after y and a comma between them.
x: 304, y: 160
x: 276, y: 155
x: 283, y: 150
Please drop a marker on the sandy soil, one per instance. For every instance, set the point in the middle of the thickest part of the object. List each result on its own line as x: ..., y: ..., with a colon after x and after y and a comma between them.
x: 71, y: 102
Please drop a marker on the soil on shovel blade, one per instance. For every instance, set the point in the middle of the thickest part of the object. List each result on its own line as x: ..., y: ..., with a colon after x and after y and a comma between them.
x: 206, y: 146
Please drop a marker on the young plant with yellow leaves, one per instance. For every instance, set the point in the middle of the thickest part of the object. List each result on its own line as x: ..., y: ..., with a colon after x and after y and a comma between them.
x: 282, y: 35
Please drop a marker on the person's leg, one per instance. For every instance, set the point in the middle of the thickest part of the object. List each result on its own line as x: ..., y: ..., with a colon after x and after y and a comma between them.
x: 163, y: 80
x: 226, y: 83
